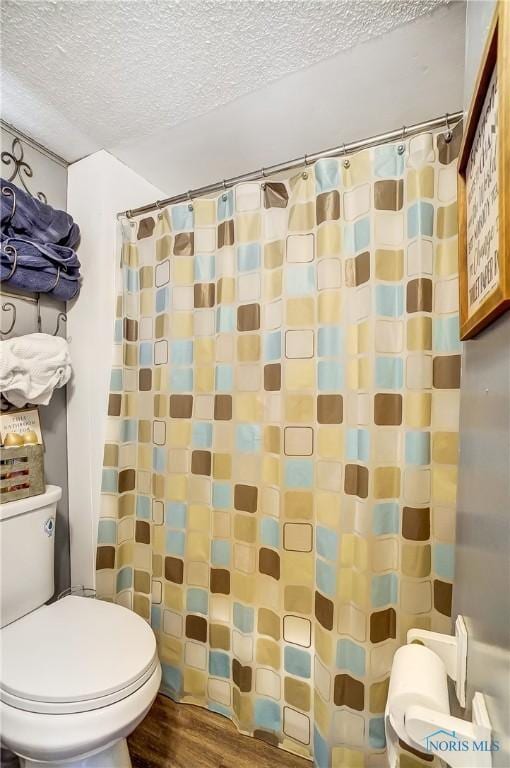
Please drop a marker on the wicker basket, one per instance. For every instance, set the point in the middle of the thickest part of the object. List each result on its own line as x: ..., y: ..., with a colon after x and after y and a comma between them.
x: 21, y: 472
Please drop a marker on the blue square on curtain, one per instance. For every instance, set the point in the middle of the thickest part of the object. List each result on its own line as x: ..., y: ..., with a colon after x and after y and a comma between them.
x: 197, y: 600
x: 297, y: 662
x: 248, y: 438
x: 385, y: 518
x: 205, y: 268
x: 248, y: 257
x: 389, y: 300
x: 124, y: 579
x: 358, y: 444
x: 181, y: 352
x: 321, y: 755
x: 109, y: 481
x: 445, y: 334
x: 330, y: 375
x: 224, y: 378
x: 418, y: 447
x: 443, y: 560
x: 131, y: 280
x: 389, y: 372
x: 219, y: 664
x: 220, y: 552
x: 327, y: 543
x: 202, y: 434
x: 145, y: 353
x: 269, y: 532
x: 181, y: 379
x: 376, y: 734
x: 420, y: 219
x: 362, y: 234
x: 225, y: 206
x: 299, y: 473
x: 300, y: 279
x: 107, y: 532
x: 225, y: 319
x: 267, y: 715
x: 143, y: 507
x: 350, y: 656
x: 330, y: 341
x: 118, y: 331
x: 182, y: 217
x: 175, y: 514
x: 116, y: 380
x: 326, y: 577
x: 273, y: 346
x: 129, y: 430
x: 387, y: 161
x: 384, y: 590
x: 243, y: 617
x: 171, y: 678
x: 158, y: 459
x: 155, y: 617
x: 327, y: 175
x: 161, y: 299
x: 175, y: 543
x: 222, y: 495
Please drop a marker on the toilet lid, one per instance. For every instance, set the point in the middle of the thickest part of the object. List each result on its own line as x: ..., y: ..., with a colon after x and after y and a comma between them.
x: 72, y: 652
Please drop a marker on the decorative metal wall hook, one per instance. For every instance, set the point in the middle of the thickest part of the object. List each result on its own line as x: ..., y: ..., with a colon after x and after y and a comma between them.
x: 347, y: 162
x: 402, y: 147
x: 10, y: 250
x: 448, y: 133
x: 190, y: 199
x: 8, y: 192
x: 21, y: 168
x: 61, y: 317
x: 9, y: 306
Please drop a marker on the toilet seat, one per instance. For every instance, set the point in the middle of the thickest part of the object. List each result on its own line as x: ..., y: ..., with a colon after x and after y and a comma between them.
x: 75, y: 655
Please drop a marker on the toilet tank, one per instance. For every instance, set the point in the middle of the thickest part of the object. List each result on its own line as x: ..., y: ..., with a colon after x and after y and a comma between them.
x: 27, y: 543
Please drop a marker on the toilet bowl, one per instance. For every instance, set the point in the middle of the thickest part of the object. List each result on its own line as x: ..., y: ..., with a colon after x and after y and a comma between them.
x: 76, y: 678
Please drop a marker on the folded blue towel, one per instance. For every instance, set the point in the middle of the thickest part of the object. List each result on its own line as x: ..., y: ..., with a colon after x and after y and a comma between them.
x: 39, y: 242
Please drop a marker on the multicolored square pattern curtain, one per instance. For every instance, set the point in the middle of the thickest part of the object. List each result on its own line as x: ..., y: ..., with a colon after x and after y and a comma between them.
x: 280, y: 468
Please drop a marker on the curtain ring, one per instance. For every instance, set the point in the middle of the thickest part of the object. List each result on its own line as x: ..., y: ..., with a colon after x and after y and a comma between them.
x: 347, y: 162
x: 224, y: 196
x: 190, y: 199
x: 11, y: 250
x: 158, y: 206
x: 402, y: 147
x: 448, y: 133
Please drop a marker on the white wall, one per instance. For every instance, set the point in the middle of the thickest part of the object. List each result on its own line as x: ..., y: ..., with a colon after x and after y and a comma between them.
x: 98, y: 187
x: 411, y: 74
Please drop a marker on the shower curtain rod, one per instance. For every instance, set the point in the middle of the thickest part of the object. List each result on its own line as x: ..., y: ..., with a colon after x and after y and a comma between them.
x: 343, y: 149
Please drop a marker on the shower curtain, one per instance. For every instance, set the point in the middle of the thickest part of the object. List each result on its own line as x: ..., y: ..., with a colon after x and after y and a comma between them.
x: 279, y: 476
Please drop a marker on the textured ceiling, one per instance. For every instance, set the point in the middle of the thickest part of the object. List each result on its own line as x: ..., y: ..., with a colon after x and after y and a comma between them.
x: 118, y: 71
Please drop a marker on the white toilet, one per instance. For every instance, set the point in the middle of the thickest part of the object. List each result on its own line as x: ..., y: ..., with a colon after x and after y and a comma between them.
x: 76, y: 676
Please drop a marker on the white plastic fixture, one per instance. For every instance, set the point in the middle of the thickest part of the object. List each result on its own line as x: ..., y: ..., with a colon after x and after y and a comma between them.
x: 461, y: 743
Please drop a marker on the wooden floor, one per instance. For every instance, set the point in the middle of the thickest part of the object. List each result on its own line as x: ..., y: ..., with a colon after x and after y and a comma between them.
x: 183, y: 736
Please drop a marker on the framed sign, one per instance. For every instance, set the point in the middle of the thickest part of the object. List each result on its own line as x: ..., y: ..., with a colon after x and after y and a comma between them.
x: 484, y: 187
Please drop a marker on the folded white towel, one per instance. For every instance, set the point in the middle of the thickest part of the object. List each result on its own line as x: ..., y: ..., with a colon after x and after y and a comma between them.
x: 32, y: 366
